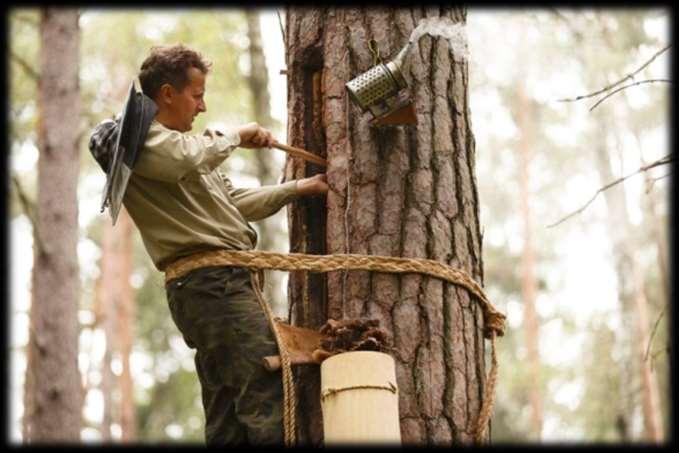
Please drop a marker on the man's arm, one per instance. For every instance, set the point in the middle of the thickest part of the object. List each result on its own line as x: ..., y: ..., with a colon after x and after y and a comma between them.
x: 259, y: 203
x: 169, y: 155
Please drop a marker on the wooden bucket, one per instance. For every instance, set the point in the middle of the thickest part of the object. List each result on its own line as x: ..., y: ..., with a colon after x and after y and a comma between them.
x: 359, y: 399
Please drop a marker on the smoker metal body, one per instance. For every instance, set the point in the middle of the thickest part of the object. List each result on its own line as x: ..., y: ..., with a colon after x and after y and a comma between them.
x: 377, y: 88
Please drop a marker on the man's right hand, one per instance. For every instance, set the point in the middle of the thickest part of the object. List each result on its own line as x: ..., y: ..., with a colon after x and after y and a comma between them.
x: 252, y: 135
x: 314, y: 185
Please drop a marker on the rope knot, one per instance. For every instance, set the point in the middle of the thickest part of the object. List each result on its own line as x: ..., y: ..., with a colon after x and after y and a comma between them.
x: 494, y: 322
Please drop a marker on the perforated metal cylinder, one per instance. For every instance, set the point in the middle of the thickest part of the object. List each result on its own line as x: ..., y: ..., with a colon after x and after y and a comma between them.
x: 374, y: 85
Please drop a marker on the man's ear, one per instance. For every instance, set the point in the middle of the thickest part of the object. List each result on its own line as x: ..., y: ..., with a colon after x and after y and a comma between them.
x: 166, y: 93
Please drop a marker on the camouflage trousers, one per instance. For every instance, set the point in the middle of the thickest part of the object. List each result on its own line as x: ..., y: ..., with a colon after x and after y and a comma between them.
x: 218, y: 314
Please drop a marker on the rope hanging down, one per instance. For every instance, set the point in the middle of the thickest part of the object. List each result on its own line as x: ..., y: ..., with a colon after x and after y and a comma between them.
x: 493, y: 320
x: 289, y: 399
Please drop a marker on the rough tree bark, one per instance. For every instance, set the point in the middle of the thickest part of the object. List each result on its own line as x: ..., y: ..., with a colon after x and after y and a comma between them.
x: 400, y: 191
x: 53, y: 412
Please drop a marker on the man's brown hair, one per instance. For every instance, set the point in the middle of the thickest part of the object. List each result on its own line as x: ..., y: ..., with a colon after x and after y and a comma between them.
x: 169, y: 64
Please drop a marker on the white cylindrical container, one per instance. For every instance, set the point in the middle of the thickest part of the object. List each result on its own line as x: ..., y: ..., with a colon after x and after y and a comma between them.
x: 359, y: 399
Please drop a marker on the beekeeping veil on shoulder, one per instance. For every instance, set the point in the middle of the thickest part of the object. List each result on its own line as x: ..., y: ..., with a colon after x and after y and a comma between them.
x: 137, y: 115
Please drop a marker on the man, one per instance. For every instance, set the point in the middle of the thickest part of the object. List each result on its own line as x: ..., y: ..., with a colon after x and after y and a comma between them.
x: 182, y: 205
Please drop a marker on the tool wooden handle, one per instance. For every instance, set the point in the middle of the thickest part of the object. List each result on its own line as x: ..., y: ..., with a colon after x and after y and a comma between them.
x: 273, y: 362
x: 301, y: 153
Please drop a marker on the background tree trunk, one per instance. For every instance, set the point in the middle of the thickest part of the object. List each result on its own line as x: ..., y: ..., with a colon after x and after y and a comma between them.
x: 258, y: 81
x: 632, y: 300
x: 53, y: 379
x: 400, y: 191
x: 525, y: 114
x: 657, y: 226
x: 117, y: 321
x: 106, y: 316
x: 126, y: 321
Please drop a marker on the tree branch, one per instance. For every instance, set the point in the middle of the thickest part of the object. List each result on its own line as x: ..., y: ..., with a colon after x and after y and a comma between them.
x: 613, y: 85
x: 27, y: 205
x: 654, y: 180
x: 280, y: 22
x: 665, y: 160
x: 666, y: 350
x: 627, y: 86
x: 655, y: 329
x: 32, y: 73
x: 29, y: 208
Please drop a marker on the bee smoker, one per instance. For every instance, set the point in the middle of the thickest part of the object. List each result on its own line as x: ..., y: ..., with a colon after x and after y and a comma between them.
x: 379, y: 90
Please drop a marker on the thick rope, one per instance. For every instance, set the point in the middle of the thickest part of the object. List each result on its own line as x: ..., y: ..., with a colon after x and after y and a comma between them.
x: 493, y: 320
x: 289, y: 399
x: 489, y: 395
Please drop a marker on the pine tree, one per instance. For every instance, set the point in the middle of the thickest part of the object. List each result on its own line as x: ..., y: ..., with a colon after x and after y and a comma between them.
x: 398, y: 191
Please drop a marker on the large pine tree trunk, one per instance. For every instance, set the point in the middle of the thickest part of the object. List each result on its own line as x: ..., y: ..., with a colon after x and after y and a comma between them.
x: 400, y: 191
x: 53, y: 379
x: 525, y: 114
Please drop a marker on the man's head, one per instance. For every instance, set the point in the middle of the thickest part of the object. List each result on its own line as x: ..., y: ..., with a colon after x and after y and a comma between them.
x: 174, y: 77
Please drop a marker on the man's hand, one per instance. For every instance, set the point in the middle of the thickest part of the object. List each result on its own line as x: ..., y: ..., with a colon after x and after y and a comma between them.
x: 252, y: 135
x: 315, y: 185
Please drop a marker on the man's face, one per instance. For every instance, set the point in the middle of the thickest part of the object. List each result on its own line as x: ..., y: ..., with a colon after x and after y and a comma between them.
x: 188, y: 103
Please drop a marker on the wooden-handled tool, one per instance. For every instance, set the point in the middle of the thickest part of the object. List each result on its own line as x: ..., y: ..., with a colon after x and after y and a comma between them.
x: 301, y: 153
x: 300, y: 342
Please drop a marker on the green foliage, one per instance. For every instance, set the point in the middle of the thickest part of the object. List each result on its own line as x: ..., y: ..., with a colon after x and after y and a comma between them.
x: 598, y: 421
x: 173, y: 402
x: 23, y: 92
x: 23, y: 67
x: 217, y: 35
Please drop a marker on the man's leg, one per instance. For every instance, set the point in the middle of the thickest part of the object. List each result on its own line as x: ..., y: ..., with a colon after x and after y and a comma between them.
x: 259, y: 402
x: 219, y: 405
x: 218, y: 313
x: 259, y: 408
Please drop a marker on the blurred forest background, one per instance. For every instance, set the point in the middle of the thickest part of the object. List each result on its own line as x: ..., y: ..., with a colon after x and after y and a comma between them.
x: 587, y: 350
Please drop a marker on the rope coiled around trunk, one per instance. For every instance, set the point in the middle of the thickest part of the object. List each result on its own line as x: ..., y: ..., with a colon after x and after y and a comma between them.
x: 493, y: 320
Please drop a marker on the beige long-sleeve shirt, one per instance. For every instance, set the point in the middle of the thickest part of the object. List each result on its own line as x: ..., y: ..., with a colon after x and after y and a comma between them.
x: 182, y: 204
